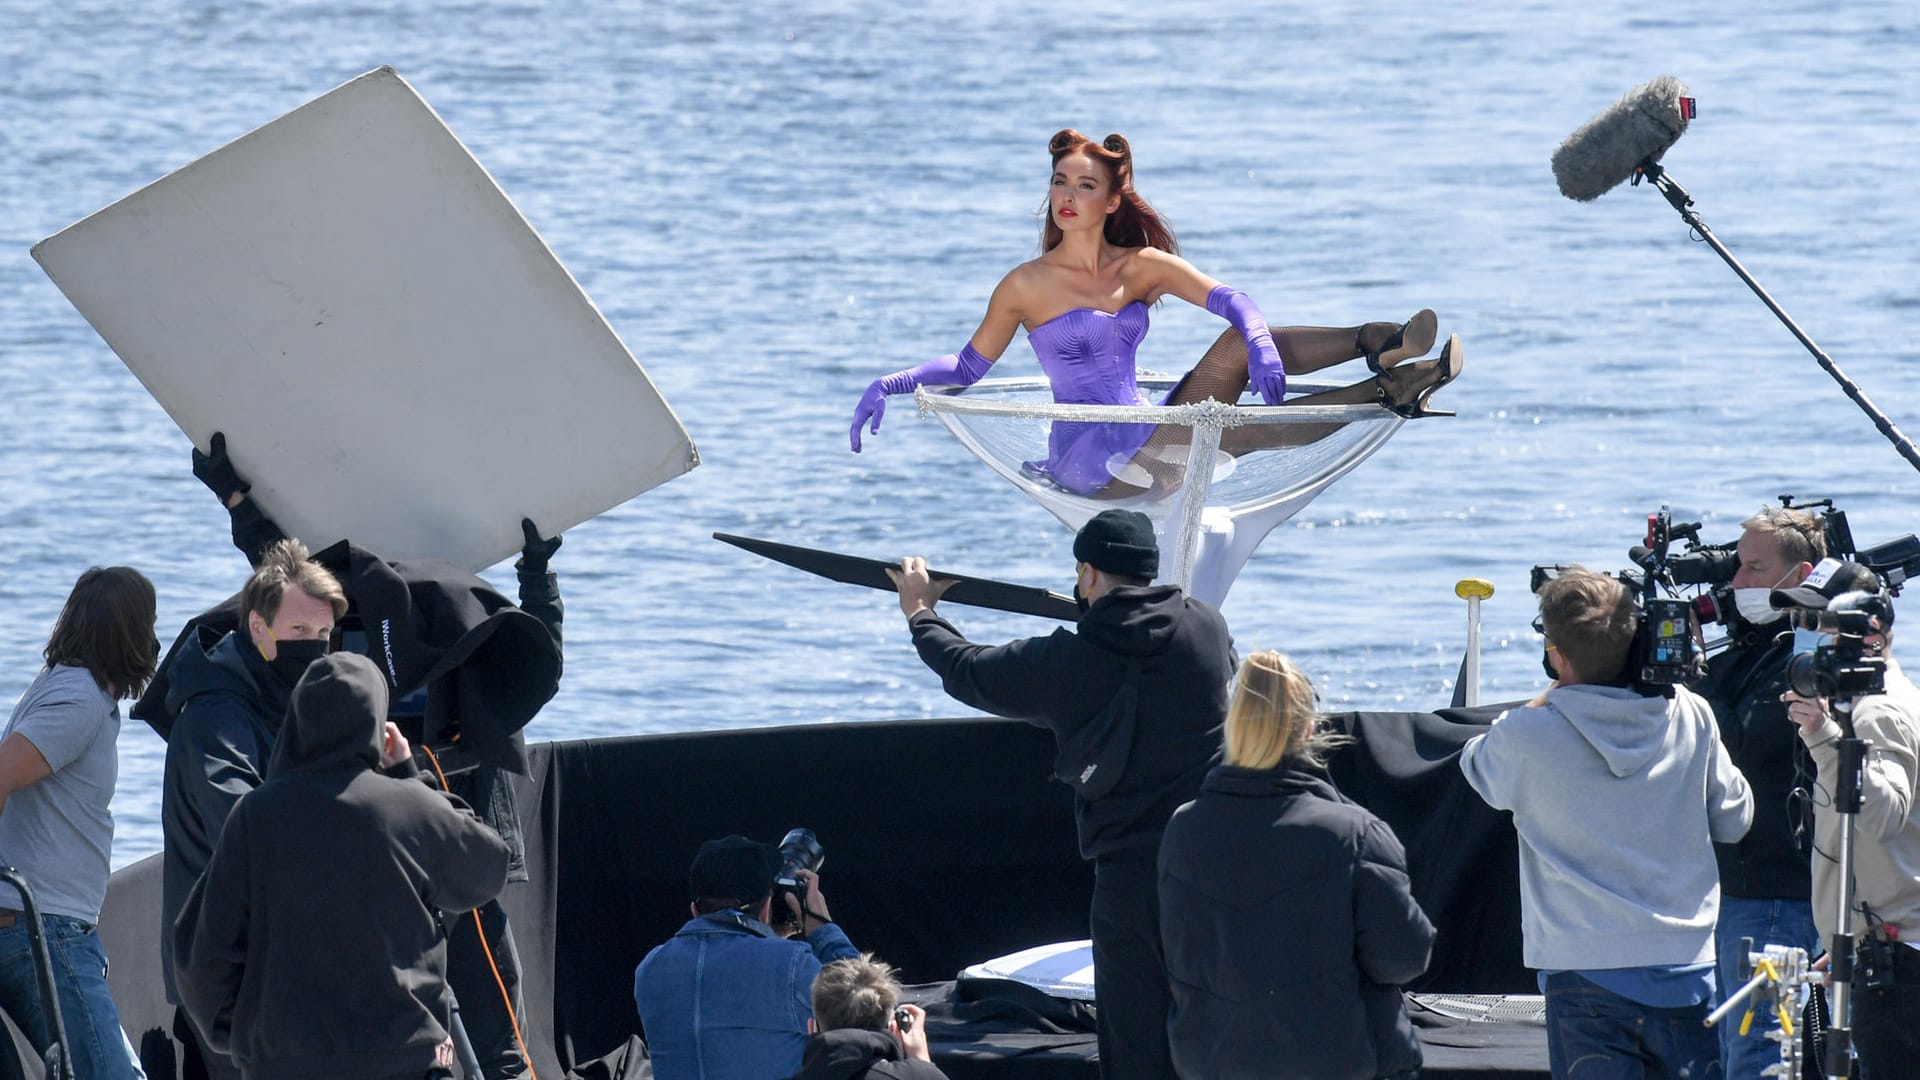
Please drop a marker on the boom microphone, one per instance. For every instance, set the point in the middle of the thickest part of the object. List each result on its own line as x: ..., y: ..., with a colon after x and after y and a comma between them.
x: 1610, y: 147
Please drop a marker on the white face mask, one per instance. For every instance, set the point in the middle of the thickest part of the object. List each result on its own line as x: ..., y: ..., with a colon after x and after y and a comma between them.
x: 1755, y: 607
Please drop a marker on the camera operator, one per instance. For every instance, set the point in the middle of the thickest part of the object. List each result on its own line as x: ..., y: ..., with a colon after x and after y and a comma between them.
x: 729, y: 996
x: 1764, y: 884
x: 861, y: 1031
x: 1886, y: 862
x: 1617, y: 798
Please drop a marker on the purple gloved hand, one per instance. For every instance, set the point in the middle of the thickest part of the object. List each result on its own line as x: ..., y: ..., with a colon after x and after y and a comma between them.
x: 963, y: 368
x: 1266, y: 372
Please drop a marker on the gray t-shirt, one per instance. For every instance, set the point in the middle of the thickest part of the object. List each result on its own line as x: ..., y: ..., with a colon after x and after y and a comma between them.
x: 59, y: 832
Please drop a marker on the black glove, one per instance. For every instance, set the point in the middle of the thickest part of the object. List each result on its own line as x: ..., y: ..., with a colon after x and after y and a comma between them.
x: 216, y: 471
x: 534, y: 556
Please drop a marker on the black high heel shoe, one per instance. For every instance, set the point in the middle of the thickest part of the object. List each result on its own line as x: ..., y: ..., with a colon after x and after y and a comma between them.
x: 1411, y: 338
x: 1406, y: 391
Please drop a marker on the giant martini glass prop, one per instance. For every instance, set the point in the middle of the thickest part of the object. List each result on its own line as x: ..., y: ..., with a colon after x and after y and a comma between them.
x: 1208, y: 520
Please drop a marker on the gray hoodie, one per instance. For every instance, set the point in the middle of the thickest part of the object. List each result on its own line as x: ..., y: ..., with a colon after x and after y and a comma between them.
x: 1618, y: 800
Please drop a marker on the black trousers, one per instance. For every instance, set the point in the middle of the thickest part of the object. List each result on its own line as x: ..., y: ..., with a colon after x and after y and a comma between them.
x: 482, y: 1008
x: 1130, y: 969
x: 1886, y: 1022
x: 198, y: 1061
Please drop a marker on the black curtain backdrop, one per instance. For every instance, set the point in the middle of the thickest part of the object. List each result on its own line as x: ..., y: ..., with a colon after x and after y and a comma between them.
x: 946, y: 843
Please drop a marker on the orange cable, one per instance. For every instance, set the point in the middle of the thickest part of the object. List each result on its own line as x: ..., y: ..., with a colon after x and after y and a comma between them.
x: 479, y: 928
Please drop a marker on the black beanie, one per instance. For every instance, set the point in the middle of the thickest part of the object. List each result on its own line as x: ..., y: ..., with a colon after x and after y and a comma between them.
x: 1119, y: 542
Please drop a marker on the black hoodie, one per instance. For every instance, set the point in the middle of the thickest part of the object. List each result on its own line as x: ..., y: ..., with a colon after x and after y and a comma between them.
x: 1060, y: 681
x: 313, y: 946
x: 858, y: 1054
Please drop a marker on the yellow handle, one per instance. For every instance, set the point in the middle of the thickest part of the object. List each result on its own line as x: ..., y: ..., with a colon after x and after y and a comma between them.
x: 1473, y: 588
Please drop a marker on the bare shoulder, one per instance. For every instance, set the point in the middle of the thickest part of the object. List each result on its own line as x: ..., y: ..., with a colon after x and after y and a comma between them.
x: 1148, y: 271
x: 1021, y: 284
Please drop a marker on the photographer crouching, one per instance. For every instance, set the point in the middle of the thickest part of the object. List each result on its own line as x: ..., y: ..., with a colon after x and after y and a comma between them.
x: 1618, y: 797
x: 730, y: 997
x: 1845, y: 654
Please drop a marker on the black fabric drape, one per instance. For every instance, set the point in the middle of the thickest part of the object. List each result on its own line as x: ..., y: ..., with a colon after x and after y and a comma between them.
x: 1462, y: 855
x: 947, y: 842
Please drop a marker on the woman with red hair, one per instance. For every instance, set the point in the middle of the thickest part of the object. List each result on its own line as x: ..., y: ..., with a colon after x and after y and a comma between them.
x: 1106, y: 256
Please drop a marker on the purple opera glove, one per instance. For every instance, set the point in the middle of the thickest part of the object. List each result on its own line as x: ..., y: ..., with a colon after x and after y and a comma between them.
x: 1265, y: 371
x: 963, y: 368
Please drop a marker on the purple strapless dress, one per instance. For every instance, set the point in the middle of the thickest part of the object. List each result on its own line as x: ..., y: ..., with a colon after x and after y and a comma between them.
x: 1088, y: 356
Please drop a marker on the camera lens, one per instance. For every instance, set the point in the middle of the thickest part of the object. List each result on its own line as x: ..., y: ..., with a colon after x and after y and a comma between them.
x: 1811, y: 675
x: 800, y: 850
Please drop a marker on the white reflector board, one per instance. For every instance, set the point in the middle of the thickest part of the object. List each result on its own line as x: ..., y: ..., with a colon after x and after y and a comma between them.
x: 394, y: 355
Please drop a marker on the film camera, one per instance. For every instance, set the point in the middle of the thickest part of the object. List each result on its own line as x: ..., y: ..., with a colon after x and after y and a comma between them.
x: 1711, y: 567
x: 799, y: 850
x: 1665, y: 650
x: 1842, y: 668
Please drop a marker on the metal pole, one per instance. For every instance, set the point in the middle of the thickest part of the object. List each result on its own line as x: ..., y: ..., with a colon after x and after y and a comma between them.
x: 59, y: 1058
x: 462, y: 1044
x: 1472, y: 590
x: 1846, y: 802
x: 1682, y: 202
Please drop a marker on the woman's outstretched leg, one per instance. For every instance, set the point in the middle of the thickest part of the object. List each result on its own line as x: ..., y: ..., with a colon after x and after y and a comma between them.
x: 1307, y: 349
x: 1404, y: 390
x: 1221, y: 375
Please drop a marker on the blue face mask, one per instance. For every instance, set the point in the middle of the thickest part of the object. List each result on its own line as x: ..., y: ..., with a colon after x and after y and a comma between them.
x: 1806, y: 641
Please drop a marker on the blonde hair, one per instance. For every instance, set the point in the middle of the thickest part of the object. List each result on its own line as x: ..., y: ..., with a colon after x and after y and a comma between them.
x: 1801, y: 537
x: 857, y: 992
x: 1273, y: 718
x: 286, y: 564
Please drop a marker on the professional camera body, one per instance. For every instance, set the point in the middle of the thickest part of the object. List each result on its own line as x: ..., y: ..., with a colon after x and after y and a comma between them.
x: 1666, y: 647
x: 1842, y: 669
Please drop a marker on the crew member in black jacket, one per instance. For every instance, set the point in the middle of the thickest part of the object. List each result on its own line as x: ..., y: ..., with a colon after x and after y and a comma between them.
x: 1147, y: 669
x: 312, y: 946
x: 468, y: 668
x: 1286, y: 912
x: 1765, y: 879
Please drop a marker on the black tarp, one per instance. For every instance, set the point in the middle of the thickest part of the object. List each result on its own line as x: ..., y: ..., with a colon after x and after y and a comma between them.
x: 947, y: 843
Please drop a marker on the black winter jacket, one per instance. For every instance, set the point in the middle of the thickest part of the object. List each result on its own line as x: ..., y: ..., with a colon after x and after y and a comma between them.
x: 227, y: 706
x: 1288, y: 925
x: 1060, y: 681
x: 855, y: 1054
x: 312, y: 947
x: 1743, y: 686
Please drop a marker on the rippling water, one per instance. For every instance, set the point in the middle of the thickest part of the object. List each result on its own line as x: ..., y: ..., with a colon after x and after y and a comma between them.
x: 773, y: 203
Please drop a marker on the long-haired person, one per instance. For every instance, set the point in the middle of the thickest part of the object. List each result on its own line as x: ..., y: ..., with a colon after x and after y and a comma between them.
x: 59, y: 761
x: 1106, y: 257
x: 1284, y: 908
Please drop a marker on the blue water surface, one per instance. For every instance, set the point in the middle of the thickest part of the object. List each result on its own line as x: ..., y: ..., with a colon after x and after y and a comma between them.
x: 775, y: 203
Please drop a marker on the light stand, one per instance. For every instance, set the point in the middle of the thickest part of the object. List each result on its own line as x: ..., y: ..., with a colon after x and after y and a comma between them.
x: 462, y: 1044
x: 1682, y: 202
x: 1779, y: 973
x: 1846, y: 802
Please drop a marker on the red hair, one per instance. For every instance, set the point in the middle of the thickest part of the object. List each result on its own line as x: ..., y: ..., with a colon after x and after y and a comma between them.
x: 1133, y: 224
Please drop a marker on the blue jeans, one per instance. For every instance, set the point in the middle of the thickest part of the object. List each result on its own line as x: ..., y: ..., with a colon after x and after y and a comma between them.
x: 1595, y: 1034
x: 95, y: 1042
x: 1767, y: 922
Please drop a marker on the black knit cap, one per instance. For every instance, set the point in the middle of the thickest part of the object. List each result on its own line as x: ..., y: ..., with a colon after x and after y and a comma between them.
x: 735, y: 868
x: 1119, y: 542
